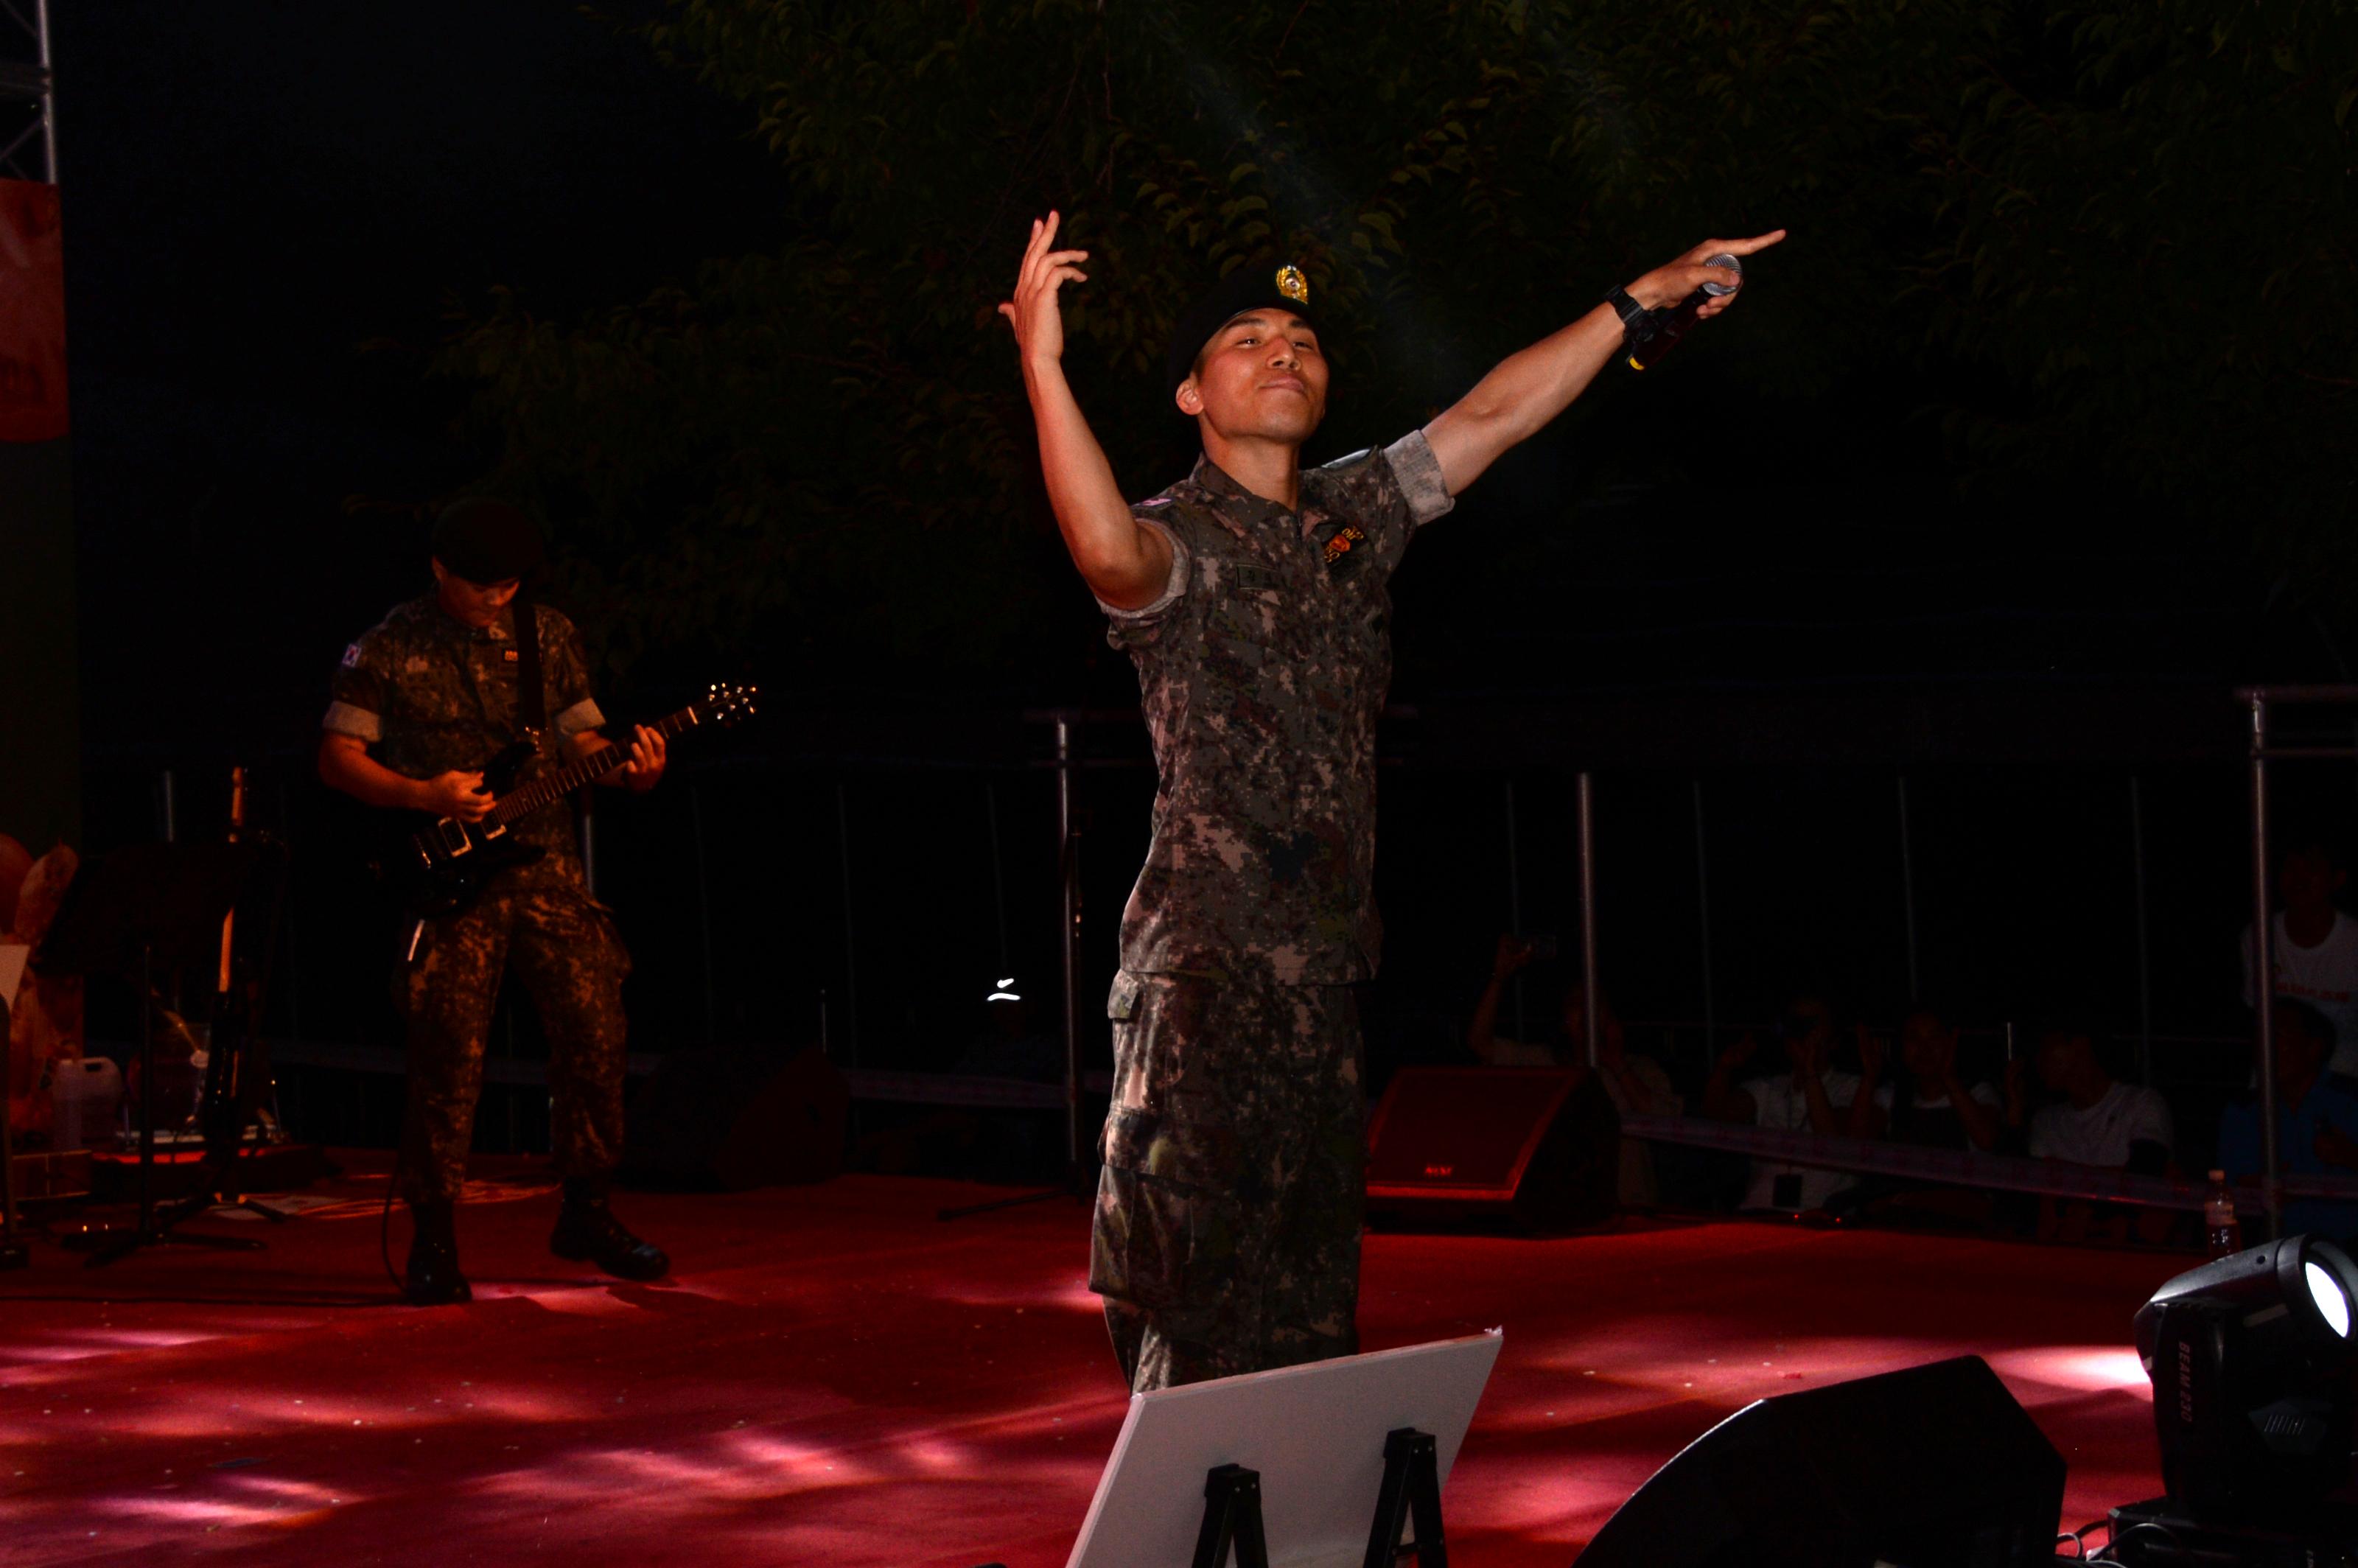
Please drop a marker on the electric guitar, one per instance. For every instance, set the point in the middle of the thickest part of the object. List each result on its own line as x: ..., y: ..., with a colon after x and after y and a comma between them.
x: 442, y: 865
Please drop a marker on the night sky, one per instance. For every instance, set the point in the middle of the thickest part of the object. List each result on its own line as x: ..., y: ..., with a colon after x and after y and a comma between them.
x: 273, y: 212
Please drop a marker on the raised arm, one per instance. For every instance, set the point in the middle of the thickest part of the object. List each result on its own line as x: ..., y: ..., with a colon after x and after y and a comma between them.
x: 1482, y: 1030
x: 1528, y: 389
x: 1125, y: 564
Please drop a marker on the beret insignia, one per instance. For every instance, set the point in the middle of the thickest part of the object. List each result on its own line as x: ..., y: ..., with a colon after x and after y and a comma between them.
x: 1292, y: 285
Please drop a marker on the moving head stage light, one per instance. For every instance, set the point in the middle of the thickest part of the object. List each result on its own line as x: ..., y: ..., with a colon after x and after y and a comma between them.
x: 2251, y: 1360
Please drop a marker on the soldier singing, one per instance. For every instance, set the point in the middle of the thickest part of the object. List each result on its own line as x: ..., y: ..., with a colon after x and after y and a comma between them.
x: 421, y: 701
x: 1253, y: 598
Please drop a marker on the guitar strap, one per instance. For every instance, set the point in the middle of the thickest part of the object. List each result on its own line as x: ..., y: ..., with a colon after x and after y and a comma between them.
x: 532, y: 697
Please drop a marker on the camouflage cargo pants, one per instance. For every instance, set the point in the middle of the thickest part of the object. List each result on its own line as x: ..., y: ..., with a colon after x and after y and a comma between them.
x: 1227, y: 1235
x: 564, y: 948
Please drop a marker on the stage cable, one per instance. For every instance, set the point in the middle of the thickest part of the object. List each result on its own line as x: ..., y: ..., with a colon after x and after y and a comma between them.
x: 384, y: 1220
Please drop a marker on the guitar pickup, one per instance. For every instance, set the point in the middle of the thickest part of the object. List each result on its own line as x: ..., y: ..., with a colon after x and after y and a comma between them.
x: 453, y: 834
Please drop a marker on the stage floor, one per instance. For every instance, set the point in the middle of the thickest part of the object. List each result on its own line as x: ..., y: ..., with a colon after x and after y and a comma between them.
x: 833, y: 1376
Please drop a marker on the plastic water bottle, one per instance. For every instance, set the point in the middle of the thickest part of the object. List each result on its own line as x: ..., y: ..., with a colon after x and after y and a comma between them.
x: 2223, y: 1236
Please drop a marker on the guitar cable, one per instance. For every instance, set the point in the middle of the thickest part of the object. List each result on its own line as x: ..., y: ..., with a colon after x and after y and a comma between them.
x: 384, y: 1221
x: 392, y: 1177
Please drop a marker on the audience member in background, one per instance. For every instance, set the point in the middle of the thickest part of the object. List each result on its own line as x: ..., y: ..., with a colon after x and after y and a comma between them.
x: 1635, y: 1084
x: 1482, y: 1037
x: 1927, y: 1103
x: 1804, y: 1094
x: 2312, y: 946
x: 2317, y: 1122
x: 15, y: 864
x: 45, y: 1024
x: 2094, y: 1121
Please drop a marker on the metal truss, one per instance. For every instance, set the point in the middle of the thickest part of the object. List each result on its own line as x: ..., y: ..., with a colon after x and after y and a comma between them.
x: 28, y: 121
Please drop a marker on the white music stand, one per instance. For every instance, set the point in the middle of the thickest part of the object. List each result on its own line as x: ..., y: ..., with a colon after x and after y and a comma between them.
x: 1317, y: 1436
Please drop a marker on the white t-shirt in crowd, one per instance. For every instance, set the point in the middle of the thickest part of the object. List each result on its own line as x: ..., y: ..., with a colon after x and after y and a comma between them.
x: 2101, y: 1135
x: 2325, y: 977
x: 1778, y: 1103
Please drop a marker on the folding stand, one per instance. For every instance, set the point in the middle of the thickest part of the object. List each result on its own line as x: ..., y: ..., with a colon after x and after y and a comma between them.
x: 1411, y: 1490
x: 1231, y: 1517
x: 1080, y: 1179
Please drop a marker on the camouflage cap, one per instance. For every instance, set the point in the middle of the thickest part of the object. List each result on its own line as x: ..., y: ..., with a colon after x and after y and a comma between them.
x: 487, y: 541
x: 1257, y: 286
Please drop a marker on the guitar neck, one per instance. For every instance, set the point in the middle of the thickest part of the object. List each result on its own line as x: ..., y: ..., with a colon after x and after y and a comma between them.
x: 521, y: 803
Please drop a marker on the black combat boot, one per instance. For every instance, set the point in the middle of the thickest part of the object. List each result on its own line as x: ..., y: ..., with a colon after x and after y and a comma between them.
x: 433, y: 1277
x: 587, y: 1232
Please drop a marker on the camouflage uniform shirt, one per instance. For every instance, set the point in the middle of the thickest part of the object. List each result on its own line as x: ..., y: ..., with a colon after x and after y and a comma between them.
x: 429, y: 695
x: 1262, y: 669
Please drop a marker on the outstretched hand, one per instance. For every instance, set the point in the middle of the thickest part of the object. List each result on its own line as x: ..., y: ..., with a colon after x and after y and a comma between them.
x: 1669, y: 283
x: 1034, y: 313
x: 1513, y: 954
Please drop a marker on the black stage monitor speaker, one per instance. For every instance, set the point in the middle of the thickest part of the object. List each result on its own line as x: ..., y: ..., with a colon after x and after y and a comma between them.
x: 737, y: 1119
x: 1933, y: 1467
x: 1537, y: 1146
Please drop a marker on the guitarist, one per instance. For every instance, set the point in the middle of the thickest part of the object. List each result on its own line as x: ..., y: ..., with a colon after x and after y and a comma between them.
x: 421, y: 701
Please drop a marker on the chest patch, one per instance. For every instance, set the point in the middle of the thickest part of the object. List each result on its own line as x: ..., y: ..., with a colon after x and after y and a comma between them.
x: 509, y: 655
x: 1341, y: 544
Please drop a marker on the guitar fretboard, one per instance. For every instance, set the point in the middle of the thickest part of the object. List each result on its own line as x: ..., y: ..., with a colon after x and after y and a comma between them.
x: 524, y: 802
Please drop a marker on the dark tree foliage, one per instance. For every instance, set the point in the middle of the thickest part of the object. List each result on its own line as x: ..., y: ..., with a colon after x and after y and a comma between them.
x: 2107, y: 243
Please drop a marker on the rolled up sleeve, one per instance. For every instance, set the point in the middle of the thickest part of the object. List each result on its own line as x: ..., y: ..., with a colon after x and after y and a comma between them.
x: 346, y: 718
x: 1172, y: 587
x: 583, y: 715
x: 358, y: 691
x: 1418, y: 472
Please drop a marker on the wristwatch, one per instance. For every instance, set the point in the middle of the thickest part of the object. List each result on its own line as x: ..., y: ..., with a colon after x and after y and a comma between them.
x: 1637, y: 322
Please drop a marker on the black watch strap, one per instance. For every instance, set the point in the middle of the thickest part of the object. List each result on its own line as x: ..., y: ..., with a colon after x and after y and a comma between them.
x: 1637, y: 322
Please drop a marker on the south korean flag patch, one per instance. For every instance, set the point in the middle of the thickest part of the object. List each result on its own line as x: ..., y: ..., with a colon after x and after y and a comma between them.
x: 351, y: 655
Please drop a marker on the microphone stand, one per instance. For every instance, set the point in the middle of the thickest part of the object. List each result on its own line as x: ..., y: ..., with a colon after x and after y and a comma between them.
x: 139, y: 909
x: 13, y: 1251
x: 1077, y: 1184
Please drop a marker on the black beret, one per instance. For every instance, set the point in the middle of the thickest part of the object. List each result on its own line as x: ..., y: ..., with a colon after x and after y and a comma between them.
x: 1255, y: 286
x: 487, y: 541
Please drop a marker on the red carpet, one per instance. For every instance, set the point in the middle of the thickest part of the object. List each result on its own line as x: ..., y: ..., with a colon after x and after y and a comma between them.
x: 833, y: 1376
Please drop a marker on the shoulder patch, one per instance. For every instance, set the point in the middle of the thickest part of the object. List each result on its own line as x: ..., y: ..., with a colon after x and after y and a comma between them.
x: 1158, y: 500
x: 351, y: 655
x: 1345, y: 463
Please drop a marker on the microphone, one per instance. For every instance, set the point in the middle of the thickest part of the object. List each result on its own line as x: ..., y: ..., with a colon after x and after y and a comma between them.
x: 1672, y: 324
